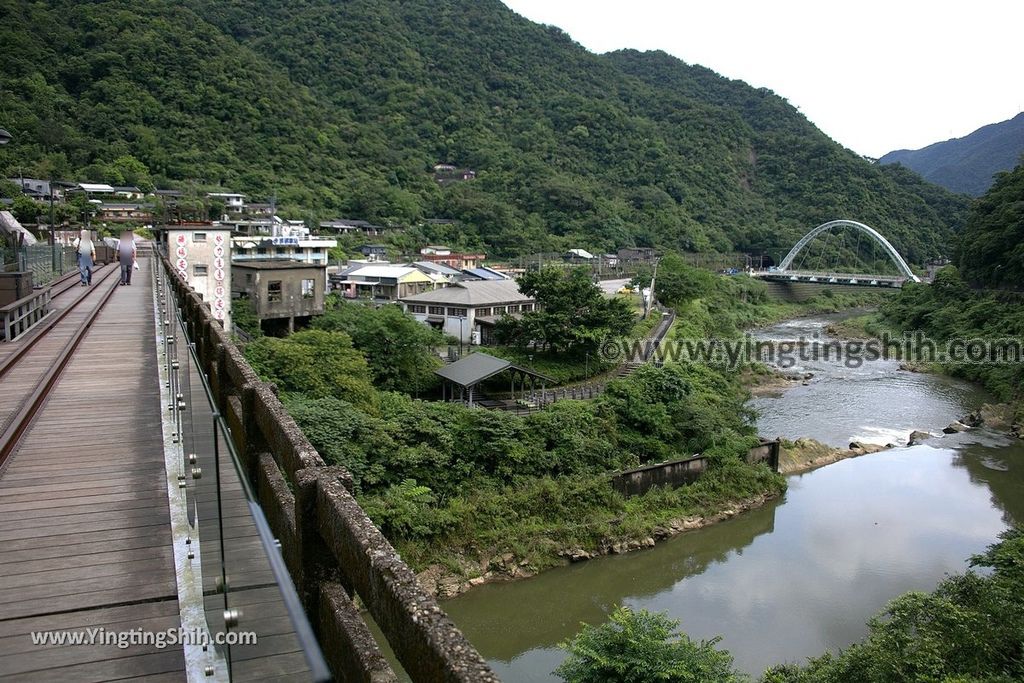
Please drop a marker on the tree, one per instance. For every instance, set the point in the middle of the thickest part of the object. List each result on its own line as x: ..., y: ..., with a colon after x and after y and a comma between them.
x: 572, y: 314
x: 991, y: 252
x: 678, y: 283
x: 315, y: 363
x: 243, y: 316
x: 127, y: 170
x: 398, y: 349
x: 640, y: 647
x: 25, y: 210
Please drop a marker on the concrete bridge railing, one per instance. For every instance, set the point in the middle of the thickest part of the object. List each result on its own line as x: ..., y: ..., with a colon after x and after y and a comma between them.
x: 332, y: 549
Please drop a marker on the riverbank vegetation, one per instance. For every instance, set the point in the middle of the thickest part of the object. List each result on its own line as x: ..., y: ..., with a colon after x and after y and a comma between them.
x: 493, y: 493
x: 458, y: 487
x: 709, y: 305
x: 979, y: 298
x: 967, y: 630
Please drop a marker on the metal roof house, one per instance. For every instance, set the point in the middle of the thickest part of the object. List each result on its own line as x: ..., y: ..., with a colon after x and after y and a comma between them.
x: 465, y: 375
x: 468, y: 310
x: 483, y: 273
x: 382, y: 283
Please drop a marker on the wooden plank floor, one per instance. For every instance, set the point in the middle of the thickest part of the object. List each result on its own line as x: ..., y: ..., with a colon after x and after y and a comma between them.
x: 84, y: 523
x: 84, y: 520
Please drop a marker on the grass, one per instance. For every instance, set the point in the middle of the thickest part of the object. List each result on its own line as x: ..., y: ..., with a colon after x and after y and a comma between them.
x: 539, y: 520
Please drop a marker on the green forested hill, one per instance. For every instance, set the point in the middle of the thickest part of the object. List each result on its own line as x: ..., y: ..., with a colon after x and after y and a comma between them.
x: 344, y: 107
x: 991, y: 253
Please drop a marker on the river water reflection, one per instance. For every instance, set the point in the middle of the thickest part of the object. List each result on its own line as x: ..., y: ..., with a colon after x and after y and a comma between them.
x: 803, y: 574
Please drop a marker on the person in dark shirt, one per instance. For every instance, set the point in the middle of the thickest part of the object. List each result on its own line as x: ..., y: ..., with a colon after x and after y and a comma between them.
x: 126, y: 256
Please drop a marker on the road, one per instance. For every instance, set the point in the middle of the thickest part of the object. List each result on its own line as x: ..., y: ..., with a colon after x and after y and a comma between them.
x: 610, y: 287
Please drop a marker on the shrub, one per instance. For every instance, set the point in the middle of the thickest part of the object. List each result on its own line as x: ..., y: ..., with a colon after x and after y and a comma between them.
x: 640, y: 647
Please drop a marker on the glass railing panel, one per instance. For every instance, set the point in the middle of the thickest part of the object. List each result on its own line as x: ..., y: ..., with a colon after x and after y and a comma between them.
x: 248, y: 594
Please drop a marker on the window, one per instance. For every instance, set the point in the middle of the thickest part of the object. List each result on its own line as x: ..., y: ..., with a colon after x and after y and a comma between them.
x: 457, y: 312
x: 513, y: 309
x: 527, y: 307
x: 499, y: 310
x: 436, y: 310
x: 274, y: 291
x: 316, y: 250
x: 417, y: 308
x: 248, y: 278
x: 200, y: 270
x: 483, y: 312
x: 308, y: 291
x: 199, y: 237
x: 261, y: 250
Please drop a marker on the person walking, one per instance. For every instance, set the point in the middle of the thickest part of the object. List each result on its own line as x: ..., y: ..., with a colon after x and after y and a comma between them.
x: 86, y: 256
x: 126, y: 256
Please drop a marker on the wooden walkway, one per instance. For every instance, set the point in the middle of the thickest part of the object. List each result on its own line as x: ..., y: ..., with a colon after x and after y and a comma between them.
x: 86, y: 541
x: 84, y: 522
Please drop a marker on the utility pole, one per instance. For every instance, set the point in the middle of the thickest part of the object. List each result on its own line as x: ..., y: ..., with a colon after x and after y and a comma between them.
x: 53, y: 236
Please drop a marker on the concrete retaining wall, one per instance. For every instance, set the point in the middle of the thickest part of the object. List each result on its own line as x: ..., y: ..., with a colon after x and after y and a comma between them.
x: 675, y: 473
x: 802, y: 291
x: 332, y: 549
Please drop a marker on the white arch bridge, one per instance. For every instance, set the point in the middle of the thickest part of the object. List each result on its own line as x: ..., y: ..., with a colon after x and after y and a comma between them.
x: 785, y: 273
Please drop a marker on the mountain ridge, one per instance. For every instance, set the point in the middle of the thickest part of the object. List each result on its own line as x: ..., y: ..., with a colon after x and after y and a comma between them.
x: 343, y: 108
x: 967, y: 164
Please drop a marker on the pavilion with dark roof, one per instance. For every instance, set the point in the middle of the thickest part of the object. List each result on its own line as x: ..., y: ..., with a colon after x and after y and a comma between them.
x: 466, y: 373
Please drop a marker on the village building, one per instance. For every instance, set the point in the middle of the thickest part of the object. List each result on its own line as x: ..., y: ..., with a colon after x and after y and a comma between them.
x: 579, y: 256
x: 94, y: 190
x: 483, y: 273
x: 448, y: 173
x: 444, y: 255
x: 277, y: 239
x: 128, y: 192
x: 346, y: 226
x: 374, y: 252
x: 281, y: 290
x: 234, y: 202
x: 40, y: 190
x: 636, y: 254
x: 382, y: 283
x: 122, y: 212
x: 470, y: 309
x: 201, y: 255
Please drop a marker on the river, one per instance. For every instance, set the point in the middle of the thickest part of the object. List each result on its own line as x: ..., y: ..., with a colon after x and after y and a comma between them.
x: 804, y: 573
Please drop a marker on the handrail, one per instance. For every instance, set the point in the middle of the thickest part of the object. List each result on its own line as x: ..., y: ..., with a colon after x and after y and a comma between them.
x: 21, y: 315
x: 330, y: 546
x: 319, y: 672
x: 303, y: 631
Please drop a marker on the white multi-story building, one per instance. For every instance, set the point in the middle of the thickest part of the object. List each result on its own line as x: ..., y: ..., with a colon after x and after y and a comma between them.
x: 285, y: 240
x: 234, y: 202
x: 201, y: 255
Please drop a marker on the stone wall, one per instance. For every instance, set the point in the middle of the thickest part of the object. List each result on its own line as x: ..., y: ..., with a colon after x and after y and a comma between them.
x: 332, y: 549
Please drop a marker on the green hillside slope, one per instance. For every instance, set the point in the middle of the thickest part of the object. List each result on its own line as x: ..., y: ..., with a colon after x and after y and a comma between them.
x: 342, y: 108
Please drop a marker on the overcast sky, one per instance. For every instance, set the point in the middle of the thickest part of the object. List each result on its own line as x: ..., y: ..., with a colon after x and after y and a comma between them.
x: 874, y: 75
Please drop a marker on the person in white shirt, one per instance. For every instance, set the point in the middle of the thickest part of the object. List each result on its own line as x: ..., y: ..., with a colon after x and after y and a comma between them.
x: 86, y: 256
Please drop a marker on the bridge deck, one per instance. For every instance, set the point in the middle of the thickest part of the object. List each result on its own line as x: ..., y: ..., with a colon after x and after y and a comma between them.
x: 83, y: 511
x: 85, y: 523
